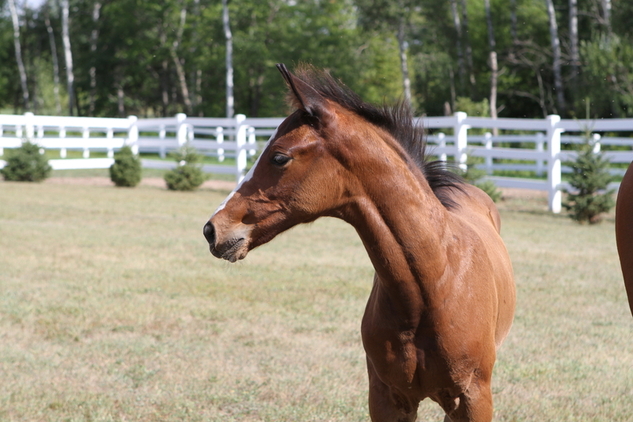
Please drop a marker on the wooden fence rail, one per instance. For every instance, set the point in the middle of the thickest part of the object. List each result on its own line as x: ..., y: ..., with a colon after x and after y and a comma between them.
x: 532, y: 146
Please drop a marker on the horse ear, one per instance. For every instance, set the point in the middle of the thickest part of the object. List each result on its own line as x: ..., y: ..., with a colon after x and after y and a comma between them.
x: 303, y: 95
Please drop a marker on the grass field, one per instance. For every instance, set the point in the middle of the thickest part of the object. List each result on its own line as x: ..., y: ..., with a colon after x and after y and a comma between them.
x: 112, y: 309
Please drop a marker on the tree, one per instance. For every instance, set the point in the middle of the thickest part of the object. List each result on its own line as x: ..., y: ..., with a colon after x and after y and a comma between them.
x: 18, y: 53
x: 394, y: 17
x: 68, y: 55
x: 229, y: 59
x: 556, y: 54
x: 54, y: 59
x: 492, y: 44
x: 589, y: 197
x: 94, y: 35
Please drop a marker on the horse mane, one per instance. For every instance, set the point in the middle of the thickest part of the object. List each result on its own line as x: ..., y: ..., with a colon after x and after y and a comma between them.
x: 398, y: 121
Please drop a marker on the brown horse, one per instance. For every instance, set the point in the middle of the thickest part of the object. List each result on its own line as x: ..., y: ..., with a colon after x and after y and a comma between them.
x: 443, y: 295
x: 624, y: 231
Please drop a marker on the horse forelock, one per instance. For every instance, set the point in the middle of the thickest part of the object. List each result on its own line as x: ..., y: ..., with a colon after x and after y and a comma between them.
x: 397, y: 120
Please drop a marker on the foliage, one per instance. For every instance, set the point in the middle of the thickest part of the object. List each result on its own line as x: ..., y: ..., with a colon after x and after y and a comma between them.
x: 126, y: 170
x: 136, y: 66
x: 589, y: 197
x: 26, y: 164
x: 473, y: 175
x: 608, y: 75
x: 187, y: 175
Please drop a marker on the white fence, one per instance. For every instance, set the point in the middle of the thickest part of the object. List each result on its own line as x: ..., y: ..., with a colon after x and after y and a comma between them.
x: 223, y: 138
x: 538, y: 142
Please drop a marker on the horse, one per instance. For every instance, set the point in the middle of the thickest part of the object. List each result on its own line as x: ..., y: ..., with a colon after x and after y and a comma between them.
x: 624, y: 231
x: 443, y: 293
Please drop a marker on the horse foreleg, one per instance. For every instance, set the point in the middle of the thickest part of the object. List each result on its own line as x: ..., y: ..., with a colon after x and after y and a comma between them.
x: 475, y: 404
x: 386, y: 405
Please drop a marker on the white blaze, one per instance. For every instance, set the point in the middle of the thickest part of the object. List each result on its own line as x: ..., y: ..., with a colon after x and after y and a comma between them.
x: 246, y: 178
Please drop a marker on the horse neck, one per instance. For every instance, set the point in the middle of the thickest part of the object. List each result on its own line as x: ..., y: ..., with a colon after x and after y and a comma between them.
x: 402, y: 224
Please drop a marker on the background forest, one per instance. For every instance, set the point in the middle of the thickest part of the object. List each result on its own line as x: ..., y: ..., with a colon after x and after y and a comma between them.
x: 526, y: 58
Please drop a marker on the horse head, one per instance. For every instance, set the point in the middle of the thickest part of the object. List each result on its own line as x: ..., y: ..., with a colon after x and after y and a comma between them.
x: 293, y: 181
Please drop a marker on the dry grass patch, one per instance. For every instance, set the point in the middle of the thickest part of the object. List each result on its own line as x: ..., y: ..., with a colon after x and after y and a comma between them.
x: 112, y: 308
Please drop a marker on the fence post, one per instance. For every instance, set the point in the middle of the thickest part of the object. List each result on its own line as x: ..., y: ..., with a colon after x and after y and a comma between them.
x: 441, y: 142
x: 132, y: 134
x: 252, y: 141
x: 85, y: 134
x: 596, y: 143
x: 540, y: 141
x: 553, y: 163
x: 240, y: 149
x: 181, y: 129
x: 110, y: 136
x: 460, y: 131
x: 488, y: 146
x: 29, y: 126
x: 219, y: 138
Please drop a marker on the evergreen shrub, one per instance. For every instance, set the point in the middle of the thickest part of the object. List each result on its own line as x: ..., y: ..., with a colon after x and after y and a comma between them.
x: 126, y: 170
x: 589, y: 197
x: 26, y: 164
x: 187, y: 176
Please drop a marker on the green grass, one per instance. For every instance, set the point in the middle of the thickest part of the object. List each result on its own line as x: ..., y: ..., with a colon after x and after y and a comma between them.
x: 112, y: 308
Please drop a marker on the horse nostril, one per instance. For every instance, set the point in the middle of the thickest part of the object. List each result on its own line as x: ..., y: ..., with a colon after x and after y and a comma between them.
x: 209, y: 233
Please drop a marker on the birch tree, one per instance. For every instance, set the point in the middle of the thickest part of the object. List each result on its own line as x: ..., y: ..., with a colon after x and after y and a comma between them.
x: 180, y: 70
x: 229, y: 59
x: 18, y: 54
x: 556, y: 54
x: 68, y: 55
x: 606, y: 15
x: 573, y: 37
x: 458, y: 40
x: 94, y: 35
x: 492, y: 44
x: 53, y: 45
x: 467, y: 47
x: 404, y: 66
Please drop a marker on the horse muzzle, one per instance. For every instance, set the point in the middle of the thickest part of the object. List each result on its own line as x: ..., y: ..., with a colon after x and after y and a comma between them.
x: 232, y: 247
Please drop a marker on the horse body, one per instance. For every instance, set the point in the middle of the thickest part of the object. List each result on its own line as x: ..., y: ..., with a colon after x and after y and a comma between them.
x: 624, y: 231
x: 443, y: 294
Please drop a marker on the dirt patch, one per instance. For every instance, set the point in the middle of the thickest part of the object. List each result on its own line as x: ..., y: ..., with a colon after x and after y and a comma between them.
x: 508, y: 193
x: 147, y: 181
x: 512, y: 193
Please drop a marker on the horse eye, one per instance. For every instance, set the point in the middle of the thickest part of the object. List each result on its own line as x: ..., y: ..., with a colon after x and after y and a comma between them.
x: 279, y: 159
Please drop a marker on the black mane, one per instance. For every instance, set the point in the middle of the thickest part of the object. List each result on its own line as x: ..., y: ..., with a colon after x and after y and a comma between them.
x: 397, y: 120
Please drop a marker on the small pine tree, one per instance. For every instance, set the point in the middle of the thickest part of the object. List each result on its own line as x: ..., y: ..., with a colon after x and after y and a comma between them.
x: 26, y: 164
x: 187, y: 176
x: 126, y: 170
x: 589, y: 197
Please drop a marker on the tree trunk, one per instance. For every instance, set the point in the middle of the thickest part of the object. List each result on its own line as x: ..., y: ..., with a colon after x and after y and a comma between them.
x: 458, y: 42
x: 18, y: 55
x: 492, y: 45
x: 51, y: 39
x: 93, y: 51
x: 468, y: 48
x: 606, y: 14
x: 120, y: 95
x: 180, y: 71
x: 573, y: 37
x: 513, y: 23
x: 197, y: 72
x: 229, y: 59
x: 68, y: 55
x: 404, y: 66
x: 556, y: 64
